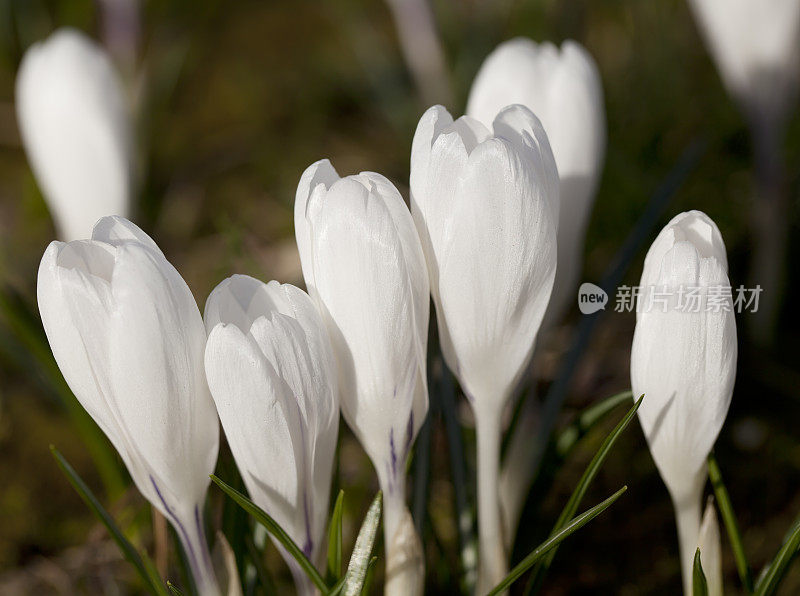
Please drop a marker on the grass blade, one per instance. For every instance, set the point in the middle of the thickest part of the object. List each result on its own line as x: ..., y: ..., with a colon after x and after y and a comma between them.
x: 699, y: 584
x: 771, y: 578
x: 275, y: 529
x: 146, y: 572
x: 580, y: 491
x: 586, y: 421
x: 335, y: 539
x: 729, y: 519
x: 173, y: 589
x: 362, y: 551
x: 546, y: 546
x: 27, y: 331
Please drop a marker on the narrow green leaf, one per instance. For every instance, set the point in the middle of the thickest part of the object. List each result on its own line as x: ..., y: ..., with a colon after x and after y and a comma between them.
x: 586, y: 420
x: 26, y: 328
x: 729, y: 519
x: 370, y: 576
x: 362, y: 551
x: 555, y: 540
x: 770, y: 580
x: 335, y: 538
x: 580, y: 491
x: 274, y: 528
x: 128, y: 550
x: 699, y: 584
x: 173, y: 589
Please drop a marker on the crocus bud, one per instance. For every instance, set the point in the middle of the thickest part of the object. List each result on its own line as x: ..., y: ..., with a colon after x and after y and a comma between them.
x: 486, y: 207
x: 562, y: 87
x: 756, y: 46
x: 271, y: 372
x: 129, y: 340
x: 683, y: 360
x: 76, y: 129
x: 710, y: 550
x: 363, y: 262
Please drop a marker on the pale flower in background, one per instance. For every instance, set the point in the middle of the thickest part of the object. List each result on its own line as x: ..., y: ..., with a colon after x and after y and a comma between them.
x: 485, y: 203
x: 363, y: 264
x: 562, y: 87
x: 76, y: 129
x: 128, y: 337
x: 684, y: 362
x: 272, y: 374
x: 756, y: 46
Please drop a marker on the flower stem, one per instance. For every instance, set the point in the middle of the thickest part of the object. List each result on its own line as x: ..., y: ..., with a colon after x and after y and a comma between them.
x: 405, y: 565
x: 190, y: 531
x: 492, y: 566
x: 687, y: 516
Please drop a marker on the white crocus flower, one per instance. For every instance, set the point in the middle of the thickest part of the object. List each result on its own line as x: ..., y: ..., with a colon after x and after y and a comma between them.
x: 76, y: 129
x: 756, y: 46
x: 562, y: 87
x: 129, y: 339
x: 683, y: 360
x: 271, y: 372
x: 363, y: 263
x: 485, y: 203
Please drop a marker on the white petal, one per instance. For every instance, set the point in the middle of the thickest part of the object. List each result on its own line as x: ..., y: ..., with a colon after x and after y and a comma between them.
x: 685, y: 364
x: 76, y: 130
x: 371, y: 277
x: 756, y: 46
x: 256, y: 414
x: 280, y: 327
x: 562, y: 87
x: 116, y: 230
x: 496, y: 270
x: 319, y: 174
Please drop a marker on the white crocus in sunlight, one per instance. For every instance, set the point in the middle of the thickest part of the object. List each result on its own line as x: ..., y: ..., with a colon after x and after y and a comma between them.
x: 683, y: 360
x: 271, y: 372
x: 756, y: 46
x: 562, y: 87
x: 363, y: 263
x: 486, y: 207
x: 126, y: 333
x: 76, y: 130
x: 708, y: 542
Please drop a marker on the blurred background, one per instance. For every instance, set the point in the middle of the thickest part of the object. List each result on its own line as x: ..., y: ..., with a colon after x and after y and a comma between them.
x: 235, y: 99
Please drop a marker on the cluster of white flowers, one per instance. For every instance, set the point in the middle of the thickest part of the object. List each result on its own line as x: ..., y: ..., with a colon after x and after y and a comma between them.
x: 496, y: 225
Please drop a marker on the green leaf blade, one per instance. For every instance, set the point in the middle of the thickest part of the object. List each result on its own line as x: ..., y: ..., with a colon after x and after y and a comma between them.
x: 583, y: 486
x: 699, y: 583
x: 335, y: 539
x: 129, y: 551
x: 773, y: 575
x: 546, y: 546
x: 276, y: 530
x: 731, y: 526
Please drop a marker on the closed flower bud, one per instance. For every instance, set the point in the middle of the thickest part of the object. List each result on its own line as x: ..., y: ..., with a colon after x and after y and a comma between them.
x: 683, y: 360
x: 76, y: 129
x: 363, y: 263
x: 271, y: 372
x: 756, y: 46
x: 485, y: 203
x: 129, y: 339
x: 562, y: 87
